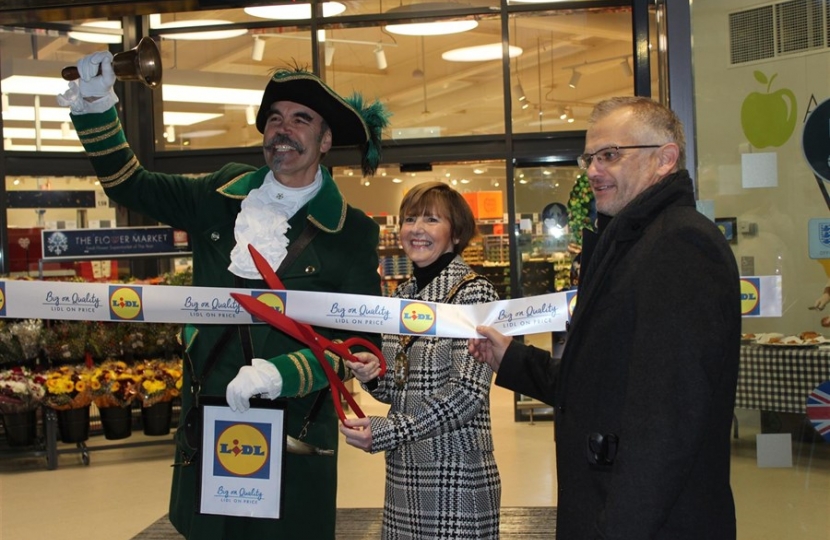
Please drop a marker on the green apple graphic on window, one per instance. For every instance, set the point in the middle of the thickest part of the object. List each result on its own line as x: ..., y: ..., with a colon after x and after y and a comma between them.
x: 768, y: 119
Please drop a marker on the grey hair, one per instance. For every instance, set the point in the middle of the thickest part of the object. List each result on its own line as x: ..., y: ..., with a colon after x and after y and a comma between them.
x: 653, y: 119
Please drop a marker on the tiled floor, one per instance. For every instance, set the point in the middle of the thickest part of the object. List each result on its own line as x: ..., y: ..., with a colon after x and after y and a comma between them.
x: 124, y: 490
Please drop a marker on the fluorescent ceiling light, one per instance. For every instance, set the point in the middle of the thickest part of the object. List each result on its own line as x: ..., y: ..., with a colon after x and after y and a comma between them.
x: 29, y: 133
x: 209, y: 94
x: 203, y: 133
x: 61, y: 114
x: 203, y: 36
x: 172, y: 118
x: 294, y: 11
x: 432, y: 28
x: 436, y: 28
x: 34, y: 86
x: 95, y: 37
x: 43, y: 148
x: 480, y: 53
x: 27, y: 114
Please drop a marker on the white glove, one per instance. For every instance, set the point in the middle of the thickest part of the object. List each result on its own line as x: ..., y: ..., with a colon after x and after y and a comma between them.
x: 261, y: 377
x: 92, y: 93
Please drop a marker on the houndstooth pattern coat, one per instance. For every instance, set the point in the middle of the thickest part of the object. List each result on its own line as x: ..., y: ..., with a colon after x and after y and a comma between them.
x: 441, y: 476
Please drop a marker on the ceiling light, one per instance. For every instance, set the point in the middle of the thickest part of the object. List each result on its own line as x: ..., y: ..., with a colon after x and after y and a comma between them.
x: 210, y: 94
x: 31, y: 134
x: 520, y: 92
x: 61, y: 114
x: 480, y: 170
x: 30, y: 85
x: 380, y: 57
x: 202, y: 134
x: 480, y: 53
x: 66, y: 132
x: 95, y: 37
x: 433, y: 28
x: 200, y: 36
x: 250, y: 115
x: 465, y: 181
x: 258, y: 50
x: 5, y: 103
x: 27, y: 114
x: 575, y: 76
x: 170, y: 134
x: 396, y: 180
x: 294, y: 11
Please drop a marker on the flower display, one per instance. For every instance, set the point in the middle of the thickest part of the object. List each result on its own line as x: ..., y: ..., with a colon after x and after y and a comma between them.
x: 67, y: 387
x: 20, y: 341
x: 114, y: 384
x: 106, y: 340
x: 20, y: 390
x: 66, y: 341
x: 160, y: 380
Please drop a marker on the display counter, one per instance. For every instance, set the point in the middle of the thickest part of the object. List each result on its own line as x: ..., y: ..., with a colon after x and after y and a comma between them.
x: 780, y: 378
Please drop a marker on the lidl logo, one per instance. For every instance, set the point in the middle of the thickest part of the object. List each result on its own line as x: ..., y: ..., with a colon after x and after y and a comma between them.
x: 2, y: 299
x: 125, y: 303
x: 271, y: 299
x: 417, y: 318
x: 750, y: 296
x: 242, y: 449
x: 570, y: 298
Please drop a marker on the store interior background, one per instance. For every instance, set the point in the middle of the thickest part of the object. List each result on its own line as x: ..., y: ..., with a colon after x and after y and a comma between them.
x: 433, y: 99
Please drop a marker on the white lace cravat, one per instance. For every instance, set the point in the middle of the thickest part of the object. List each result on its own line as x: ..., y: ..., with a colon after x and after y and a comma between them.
x: 263, y: 222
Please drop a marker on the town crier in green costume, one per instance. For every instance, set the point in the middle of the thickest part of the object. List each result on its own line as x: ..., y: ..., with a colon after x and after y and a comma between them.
x: 301, y: 119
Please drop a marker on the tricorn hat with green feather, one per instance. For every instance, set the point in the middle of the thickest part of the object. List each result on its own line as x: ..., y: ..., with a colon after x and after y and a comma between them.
x: 352, y: 122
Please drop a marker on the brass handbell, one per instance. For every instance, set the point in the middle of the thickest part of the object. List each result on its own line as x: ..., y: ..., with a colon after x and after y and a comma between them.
x: 141, y: 63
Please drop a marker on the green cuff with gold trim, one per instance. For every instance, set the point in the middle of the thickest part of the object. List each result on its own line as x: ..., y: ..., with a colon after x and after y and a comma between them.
x: 302, y: 374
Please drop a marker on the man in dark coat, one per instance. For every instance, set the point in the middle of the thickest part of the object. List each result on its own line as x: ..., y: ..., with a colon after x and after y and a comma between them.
x: 272, y: 208
x: 645, y: 389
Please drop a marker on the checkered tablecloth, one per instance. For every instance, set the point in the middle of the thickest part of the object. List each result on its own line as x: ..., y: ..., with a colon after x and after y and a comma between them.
x: 778, y: 378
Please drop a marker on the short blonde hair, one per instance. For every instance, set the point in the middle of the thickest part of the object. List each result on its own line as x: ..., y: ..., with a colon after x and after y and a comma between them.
x: 444, y: 201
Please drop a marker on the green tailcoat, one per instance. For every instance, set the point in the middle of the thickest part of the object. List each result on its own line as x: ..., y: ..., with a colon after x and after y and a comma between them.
x: 342, y: 257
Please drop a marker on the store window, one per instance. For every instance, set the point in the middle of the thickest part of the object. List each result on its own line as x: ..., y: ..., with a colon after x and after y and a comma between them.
x: 760, y: 80
x: 564, y: 63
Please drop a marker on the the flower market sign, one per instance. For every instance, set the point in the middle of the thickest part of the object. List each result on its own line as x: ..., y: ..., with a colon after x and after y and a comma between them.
x: 113, y: 243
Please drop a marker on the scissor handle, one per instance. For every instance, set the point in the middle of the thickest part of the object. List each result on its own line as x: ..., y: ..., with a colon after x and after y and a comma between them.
x: 363, y: 342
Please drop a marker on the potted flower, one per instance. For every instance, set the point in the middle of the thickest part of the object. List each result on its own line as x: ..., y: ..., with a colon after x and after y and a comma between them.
x: 68, y: 391
x: 161, y: 381
x: 114, y: 387
x: 20, y: 394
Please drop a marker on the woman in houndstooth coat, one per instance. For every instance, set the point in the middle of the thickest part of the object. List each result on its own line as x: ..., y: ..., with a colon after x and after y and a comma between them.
x: 441, y: 477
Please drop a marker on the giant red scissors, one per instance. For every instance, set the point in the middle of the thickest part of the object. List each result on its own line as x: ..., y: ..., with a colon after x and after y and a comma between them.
x: 304, y: 333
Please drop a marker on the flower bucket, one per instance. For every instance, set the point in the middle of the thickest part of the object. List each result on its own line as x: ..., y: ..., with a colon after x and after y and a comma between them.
x: 20, y: 427
x: 117, y: 422
x: 156, y: 418
x: 73, y: 424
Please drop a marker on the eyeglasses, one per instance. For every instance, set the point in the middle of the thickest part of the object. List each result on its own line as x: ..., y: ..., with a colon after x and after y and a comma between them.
x: 608, y: 155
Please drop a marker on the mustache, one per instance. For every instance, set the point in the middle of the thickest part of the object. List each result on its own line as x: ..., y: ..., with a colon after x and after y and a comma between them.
x: 283, y: 140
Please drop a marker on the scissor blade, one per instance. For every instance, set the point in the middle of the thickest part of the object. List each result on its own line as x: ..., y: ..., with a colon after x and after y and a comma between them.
x: 273, y: 317
x: 268, y: 274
